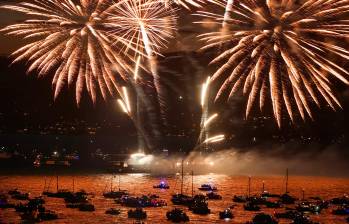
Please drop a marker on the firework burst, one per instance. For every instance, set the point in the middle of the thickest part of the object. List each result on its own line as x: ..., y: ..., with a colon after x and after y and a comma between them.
x: 73, y: 40
x: 146, y: 25
x: 283, y: 49
x: 184, y: 3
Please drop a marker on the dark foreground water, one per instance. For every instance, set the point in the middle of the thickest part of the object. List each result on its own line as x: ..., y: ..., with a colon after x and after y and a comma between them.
x: 138, y: 184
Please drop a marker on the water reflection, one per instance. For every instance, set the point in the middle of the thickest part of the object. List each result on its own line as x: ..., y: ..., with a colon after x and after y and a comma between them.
x: 138, y: 184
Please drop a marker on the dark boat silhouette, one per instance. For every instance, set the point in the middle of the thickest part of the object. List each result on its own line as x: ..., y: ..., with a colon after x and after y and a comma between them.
x: 288, y: 214
x: 181, y: 199
x: 4, y: 203
x: 323, y: 204
x: 142, y: 202
x: 37, y: 200
x: 16, y: 194
x: 262, y: 218
x: 113, y: 211
x: 130, y: 201
x: 213, y: 196
x: 26, y: 208
x: 60, y: 193
x: 200, y: 208
x: 47, y: 215
x: 273, y: 204
x: 153, y: 196
x: 137, y: 213
x: 257, y: 200
x: 29, y: 217
x: 342, y: 210
x: 239, y: 199
x: 115, y: 194
x: 162, y: 185
x: 78, y: 197
x: 287, y: 199
x: 266, y: 194
x: 199, y: 205
x: 13, y: 192
x: 78, y: 200
x: 86, y: 207
x: 340, y: 201
x: 34, y: 211
x: 22, y: 197
x: 63, y: 193
x: 207, y: 187
x: 249, y: 206
x: 302, y: 219
x: 308, y: 207
x: 34, y: 217
x: 177, y: 215
x: 31, y: 206
x: 226, y: 214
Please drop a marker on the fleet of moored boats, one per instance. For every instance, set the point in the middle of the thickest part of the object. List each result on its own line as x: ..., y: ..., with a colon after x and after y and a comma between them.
x: 33, y: 210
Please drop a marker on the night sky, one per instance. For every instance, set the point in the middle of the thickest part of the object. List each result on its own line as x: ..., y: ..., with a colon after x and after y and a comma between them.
x: 27, y: 103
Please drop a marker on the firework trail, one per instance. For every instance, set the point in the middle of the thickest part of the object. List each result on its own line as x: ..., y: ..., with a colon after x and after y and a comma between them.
x: 142, y: 101
x: 215, y: 139
x: 146, y: 25
x: 72, y: 40
x: 281, y: 47
x: 125, y: 105
x: 206, y: 120
x: 204, y: 109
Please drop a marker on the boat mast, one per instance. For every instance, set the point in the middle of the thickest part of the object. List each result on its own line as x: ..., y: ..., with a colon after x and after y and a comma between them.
x: 263, y: 189
x: 111, y: 183
x: 192, y: 183
x: 286, y: 180
x: 119, y: 182
x: 45, y: 185
x: 182, y: 176
x: 57, y: 182
x: 303, y: 194
x: 249, y: 186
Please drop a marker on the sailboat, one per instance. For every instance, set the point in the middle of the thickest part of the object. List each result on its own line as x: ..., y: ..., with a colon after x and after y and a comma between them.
x: 60, y: 193
x: 286, y: 198
x: 267, y: 194
x: 115, y: 194
x: 199, y: 203
x: 180, y: 198
x: 243, y: 198
x: 177, y: 215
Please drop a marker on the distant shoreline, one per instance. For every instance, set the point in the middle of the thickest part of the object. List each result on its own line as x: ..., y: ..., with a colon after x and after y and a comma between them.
x: 91, y: 171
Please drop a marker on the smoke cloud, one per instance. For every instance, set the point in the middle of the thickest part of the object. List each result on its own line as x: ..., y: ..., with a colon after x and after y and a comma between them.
x: 309, y: 162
